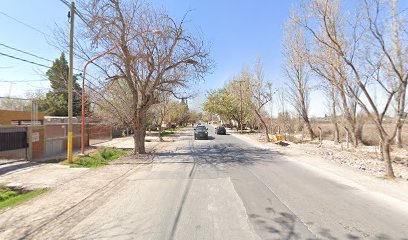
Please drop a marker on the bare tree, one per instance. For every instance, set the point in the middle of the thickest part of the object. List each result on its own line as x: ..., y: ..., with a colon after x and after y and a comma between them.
x: 328, y: 66
x: 365, y: 67
x: 110, y: 103
x: 297, y: 71
x: 151, y: 63
x: 332, y: 104
x: 261, y: 94
x: 159, y: 112
x: 392, y: 48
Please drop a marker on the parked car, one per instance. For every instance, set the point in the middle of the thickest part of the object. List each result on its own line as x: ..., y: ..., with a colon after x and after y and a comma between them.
x: 220, y: 130
x: 201, y: 132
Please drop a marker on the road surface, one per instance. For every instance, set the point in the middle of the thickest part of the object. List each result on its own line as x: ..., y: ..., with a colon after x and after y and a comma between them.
x: 223, y: 188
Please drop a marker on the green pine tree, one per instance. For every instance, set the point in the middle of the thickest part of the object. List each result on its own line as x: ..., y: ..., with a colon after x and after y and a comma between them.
x: 56, y: 102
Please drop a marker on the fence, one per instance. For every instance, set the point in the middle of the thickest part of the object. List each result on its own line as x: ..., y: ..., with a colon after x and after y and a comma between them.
x: 13, y: 142
x: 99, y: 133
x: 56, y: 136
x: 36, y: 142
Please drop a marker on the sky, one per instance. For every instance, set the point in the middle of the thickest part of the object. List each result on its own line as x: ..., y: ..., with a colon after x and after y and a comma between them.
x: 237, y: 32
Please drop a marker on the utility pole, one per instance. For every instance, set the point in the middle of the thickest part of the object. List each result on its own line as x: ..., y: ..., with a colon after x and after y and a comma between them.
x: 70, y: 82
x: 240, y: 94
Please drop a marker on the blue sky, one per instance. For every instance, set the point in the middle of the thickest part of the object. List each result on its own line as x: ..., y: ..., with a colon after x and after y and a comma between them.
x: 238, y: 32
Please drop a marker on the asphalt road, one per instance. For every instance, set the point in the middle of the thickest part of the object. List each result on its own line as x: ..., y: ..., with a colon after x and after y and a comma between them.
x: 222, y: 188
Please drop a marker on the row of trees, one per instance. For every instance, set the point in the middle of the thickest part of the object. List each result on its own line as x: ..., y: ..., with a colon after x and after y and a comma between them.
x: 243, y: 98
x: 170, y: 111
x: 358, y: 56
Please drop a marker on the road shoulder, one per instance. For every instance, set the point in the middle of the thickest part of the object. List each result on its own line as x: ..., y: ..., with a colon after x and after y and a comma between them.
x: 390, y: 192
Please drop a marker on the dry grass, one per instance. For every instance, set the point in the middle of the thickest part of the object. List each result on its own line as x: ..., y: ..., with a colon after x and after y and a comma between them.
x: 369, y: 133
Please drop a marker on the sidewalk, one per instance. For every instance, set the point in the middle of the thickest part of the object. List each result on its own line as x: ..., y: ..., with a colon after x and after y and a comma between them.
x: 128, y: 142
x: 74, y: 197
x: 35, y: 175
x: 391, y: 191
x: 31, y: 175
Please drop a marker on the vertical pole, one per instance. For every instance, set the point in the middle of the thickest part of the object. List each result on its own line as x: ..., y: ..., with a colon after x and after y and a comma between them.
x: 347, y: 139
x: 271, y: 122
x: 70, y: 83
x: 240, y: 92
x: 83, y: 113
x: 320, y: 136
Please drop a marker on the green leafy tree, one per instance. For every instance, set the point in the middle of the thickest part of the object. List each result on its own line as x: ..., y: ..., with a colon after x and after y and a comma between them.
x: 224, y: 104
x: 56, y: 101
x: 178, y: 113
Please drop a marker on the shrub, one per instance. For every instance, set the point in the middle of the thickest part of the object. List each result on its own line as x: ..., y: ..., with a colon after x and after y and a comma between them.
x: 101, y: 157
x: 6, y: 195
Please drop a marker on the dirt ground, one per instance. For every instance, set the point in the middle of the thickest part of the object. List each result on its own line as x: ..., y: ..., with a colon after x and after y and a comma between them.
x: 366, y: 159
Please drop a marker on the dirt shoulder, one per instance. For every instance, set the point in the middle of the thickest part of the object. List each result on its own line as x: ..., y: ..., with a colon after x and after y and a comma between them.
x: 337, y: 165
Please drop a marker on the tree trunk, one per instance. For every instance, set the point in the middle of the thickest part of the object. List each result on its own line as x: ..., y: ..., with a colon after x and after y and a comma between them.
x: 265, y: 126
x: 239, y: 125
x: 160, y: 131
x: 398, y: 136
x: 387, y: 158
x: 333, y: 99
x: 359, y: 134
x: 351, y: 130
x: 336, y: 133
x: 310, y: 129
x: 350, y: 120
x: 353, y: 137
x: 140, y: 132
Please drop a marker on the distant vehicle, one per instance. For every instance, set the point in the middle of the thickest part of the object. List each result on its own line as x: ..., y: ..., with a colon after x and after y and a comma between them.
x: 201, y: 132
x: 220, y: 130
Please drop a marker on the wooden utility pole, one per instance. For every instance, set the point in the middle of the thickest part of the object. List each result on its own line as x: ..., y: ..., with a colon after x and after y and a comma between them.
x: 70, y: 82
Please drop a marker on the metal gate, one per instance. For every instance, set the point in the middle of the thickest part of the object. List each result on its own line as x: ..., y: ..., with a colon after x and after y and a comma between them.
x: 13, y: 142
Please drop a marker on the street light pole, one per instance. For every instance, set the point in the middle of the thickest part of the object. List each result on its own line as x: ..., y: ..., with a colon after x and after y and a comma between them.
x: 70, y: 83
x: 84, y: 77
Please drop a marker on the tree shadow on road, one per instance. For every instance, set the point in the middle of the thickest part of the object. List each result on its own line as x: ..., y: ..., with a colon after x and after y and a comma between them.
x: 222, y: 154
x: 283, y: 225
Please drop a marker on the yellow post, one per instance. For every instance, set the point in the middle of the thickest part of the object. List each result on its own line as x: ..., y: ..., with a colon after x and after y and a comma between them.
x: 70, y: 147
x: 70, y: 83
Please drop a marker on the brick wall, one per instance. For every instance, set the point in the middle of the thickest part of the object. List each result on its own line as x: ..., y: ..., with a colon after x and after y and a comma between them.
x: 37, y: 144
x: 6, y: 117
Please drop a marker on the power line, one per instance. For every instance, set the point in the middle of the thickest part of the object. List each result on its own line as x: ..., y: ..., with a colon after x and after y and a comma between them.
x: 34, y: 55
x: 45, y: 34
x: 66, y: 3
x: 24, y: 60
x: 22, y: 51
x: 22, y: 81
x: 15, y: 98
x: 77, y: 12
x: 23, y: 23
